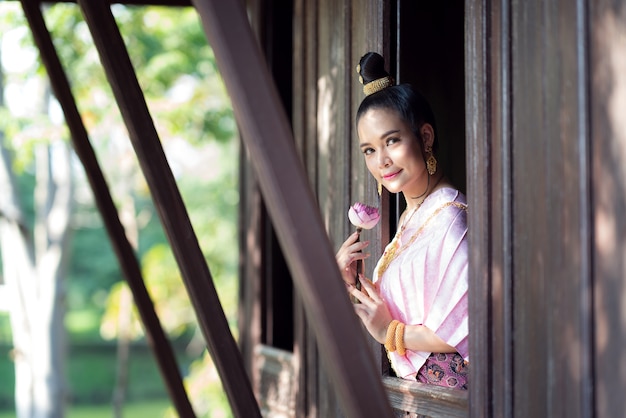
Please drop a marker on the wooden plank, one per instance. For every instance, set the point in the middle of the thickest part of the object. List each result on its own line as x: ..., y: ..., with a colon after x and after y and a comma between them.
x: 488, y: 124
x: 251, y: 229
x: 308, y: 400
x: 500, y: 215
x: 311, y: 152
x: 293, y: 209
x: 607, y: 80
x: 304, y: 349
x: 426, y: 400
x: 568, y: 156
x: 277, y: 382
x: 549, y: 227
x: 333, y: 146
x: 369, y: 30
x: 530, y: 289
x: 478, y: 236
x: 299, y: 111
x: 157, y: 339
x: 170, y: 206
x: 250, y: 272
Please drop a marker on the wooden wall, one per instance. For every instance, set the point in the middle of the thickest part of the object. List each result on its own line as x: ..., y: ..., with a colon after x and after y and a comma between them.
x: 550, y: 222
x: 546, y: 184
x: 607, y: 162
x: 544, y: 131
x: 329, y: 38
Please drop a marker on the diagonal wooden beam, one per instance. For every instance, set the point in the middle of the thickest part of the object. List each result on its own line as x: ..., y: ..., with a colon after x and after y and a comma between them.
x: 157, y: 338
x: 170, y: 206
x: 292, y: 206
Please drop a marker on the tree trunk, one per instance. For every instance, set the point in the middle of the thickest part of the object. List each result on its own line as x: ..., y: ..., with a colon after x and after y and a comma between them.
x: 128, y: 217
x: 33, y: 270
x: 54, y: 206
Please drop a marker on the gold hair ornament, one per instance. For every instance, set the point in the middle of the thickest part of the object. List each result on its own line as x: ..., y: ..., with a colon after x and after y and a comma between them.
x: 377, y: 85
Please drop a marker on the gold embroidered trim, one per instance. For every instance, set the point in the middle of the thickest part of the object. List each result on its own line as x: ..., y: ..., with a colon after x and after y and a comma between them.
x: 393, y: 252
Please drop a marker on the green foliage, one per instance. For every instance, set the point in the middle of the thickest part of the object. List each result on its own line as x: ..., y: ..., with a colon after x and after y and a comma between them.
x: 93, y: 268
x: 159, y: 56
x: 206, y: 391
x: 192, y: 113
x: 212, y: 209
x: 178, y: 73
x: 91, y: 373
x: 13, y: 22
x: 154, y: 408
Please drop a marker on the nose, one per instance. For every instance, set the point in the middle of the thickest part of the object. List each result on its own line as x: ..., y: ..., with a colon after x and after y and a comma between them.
x: 383, y: 159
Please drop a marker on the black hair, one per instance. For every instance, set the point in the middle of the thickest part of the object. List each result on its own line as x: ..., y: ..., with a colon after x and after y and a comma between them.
x: 409, y: 103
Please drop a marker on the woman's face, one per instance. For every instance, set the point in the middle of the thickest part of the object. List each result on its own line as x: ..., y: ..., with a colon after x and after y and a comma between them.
x: 392, y: 152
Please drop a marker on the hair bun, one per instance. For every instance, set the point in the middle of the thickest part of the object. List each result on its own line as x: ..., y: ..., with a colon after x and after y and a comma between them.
x: 371, y: 67
x: 372, y: 73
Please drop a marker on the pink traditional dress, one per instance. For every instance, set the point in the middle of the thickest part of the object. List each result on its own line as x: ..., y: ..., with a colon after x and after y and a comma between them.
x: 422, y: 276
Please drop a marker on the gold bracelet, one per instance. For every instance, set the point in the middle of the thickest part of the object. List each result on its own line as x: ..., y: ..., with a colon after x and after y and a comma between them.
x: 390, y: 343
x: 399, y: 339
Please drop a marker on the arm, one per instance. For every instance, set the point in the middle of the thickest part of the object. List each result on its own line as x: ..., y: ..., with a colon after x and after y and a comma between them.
x: 376, y: 317
x: 421, y: 338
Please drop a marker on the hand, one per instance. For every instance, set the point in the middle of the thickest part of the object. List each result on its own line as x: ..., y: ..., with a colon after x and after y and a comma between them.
x: 372, y: 310
x: 348, y: 254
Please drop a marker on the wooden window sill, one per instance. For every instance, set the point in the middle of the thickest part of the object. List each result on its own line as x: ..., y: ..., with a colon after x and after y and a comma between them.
x: 425, y: 400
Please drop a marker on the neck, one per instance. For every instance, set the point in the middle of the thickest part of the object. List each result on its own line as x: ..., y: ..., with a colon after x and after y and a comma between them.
x: 416, y: 201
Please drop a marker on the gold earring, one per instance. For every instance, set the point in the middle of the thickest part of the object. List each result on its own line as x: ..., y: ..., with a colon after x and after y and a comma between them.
x: 431, y: 162
x: 380, y: 188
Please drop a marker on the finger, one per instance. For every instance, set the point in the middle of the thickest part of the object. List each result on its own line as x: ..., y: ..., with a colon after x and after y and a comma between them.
x: 365, y: 279
x: 358, y: 246
x: 370, y: 287
x: 361, y: 311
x: 358, y: 256
x: 361, y: 297
x: 348, y: 277
x: 356, y: 293
x: 350, y: 240
x: 346, y: 263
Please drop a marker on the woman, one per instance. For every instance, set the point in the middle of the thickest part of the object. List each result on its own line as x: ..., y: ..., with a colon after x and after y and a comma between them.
x: 417, y: 303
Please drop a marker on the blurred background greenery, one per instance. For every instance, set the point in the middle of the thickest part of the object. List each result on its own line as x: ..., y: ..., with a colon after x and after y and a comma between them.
x: 176, y: 69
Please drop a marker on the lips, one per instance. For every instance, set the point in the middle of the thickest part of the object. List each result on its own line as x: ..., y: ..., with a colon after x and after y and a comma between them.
x: 391, y: 175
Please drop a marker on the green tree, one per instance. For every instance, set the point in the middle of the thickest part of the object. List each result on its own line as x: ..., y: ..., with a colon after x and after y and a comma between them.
x: 193, y: 117
x: 34, y: 251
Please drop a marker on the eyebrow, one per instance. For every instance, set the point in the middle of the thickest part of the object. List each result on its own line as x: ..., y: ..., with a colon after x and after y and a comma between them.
x: 386, y: 134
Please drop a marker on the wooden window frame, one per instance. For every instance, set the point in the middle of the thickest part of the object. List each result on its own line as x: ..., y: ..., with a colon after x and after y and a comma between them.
x: 416, y: 398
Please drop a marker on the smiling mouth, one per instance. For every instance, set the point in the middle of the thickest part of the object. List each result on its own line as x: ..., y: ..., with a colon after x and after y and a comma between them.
x: 392, y: 175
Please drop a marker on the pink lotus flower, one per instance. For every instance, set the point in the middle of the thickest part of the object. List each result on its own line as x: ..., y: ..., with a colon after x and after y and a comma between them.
x: 363, y: 216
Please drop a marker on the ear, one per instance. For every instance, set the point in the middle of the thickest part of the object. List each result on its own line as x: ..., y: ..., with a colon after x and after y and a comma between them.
x: 428, y: 134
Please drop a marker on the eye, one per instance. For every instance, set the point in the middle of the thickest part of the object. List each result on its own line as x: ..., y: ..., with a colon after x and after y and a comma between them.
x: 392, y: 140
x: 367, y: 150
